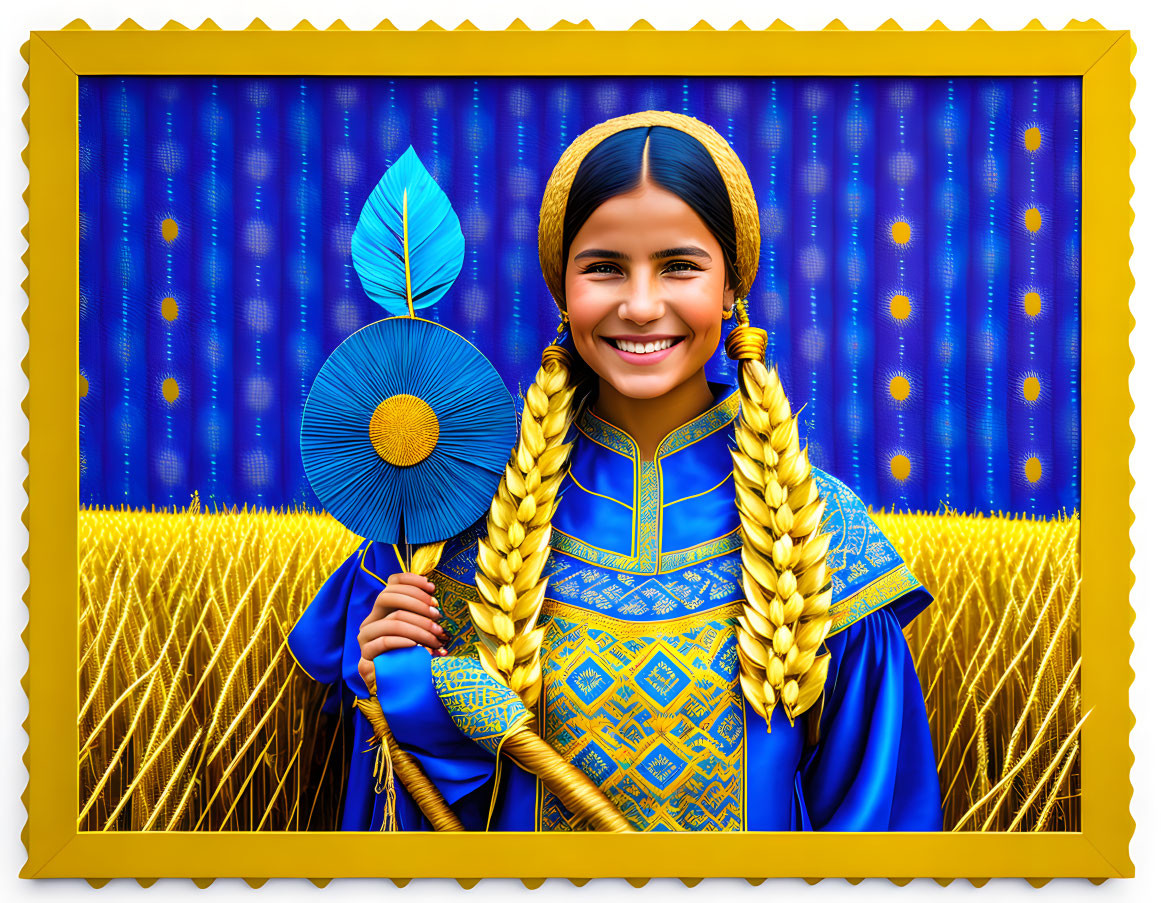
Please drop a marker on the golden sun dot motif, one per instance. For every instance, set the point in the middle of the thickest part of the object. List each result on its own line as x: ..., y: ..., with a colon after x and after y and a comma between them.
x: 900, y: 388
x: 84, y: 385
x: 900, y: 467
x: 1032, y: 219
x: 404, y: 430
x: 169, y: 229
x: 1033, y: 470
x: 169, y: 308
x: 1032, y: 138
x: 900, y: 232
x: 1031, y: 388
x: 170, y: 390
x: 1032, y: 303
x: 900, y: 307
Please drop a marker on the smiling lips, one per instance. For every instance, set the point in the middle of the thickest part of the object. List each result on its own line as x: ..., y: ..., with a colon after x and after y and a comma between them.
x: 645, y: 349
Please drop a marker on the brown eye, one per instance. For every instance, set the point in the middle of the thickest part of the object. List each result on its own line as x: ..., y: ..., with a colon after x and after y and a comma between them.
x: 682, y: 266
x: 603, y: 268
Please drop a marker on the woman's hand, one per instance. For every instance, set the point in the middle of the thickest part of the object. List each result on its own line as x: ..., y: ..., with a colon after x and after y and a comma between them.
x: 404, y: 615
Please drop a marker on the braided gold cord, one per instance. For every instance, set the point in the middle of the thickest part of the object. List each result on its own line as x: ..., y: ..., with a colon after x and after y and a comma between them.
x: 512, y: 555
x: 785, y: 577
x: 572, y: 786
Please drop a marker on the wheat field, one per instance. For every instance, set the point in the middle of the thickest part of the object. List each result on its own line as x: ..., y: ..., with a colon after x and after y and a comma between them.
x: 194, y: 715
x: 998, y: 656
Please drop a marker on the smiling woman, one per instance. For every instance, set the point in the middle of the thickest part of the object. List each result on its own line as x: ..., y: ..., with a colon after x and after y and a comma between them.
x: 647, y: 238
x: 668, y: 617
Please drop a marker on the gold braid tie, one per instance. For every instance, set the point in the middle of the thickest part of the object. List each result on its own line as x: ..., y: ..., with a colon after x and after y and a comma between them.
x: 746, y: 343
x: 391, y: 760
x: 785, y: 577
x: 512, y: 555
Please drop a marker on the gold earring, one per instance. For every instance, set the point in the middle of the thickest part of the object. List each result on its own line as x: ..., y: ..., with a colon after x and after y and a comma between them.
x: 563, y: 322
x: 726, y: 314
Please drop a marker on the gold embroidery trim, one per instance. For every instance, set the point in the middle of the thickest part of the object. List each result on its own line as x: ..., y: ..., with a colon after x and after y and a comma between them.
x: 363, y: 567
x: 870, y: 598
x: 649, y: 559
x: 845, y: 612
x: 622, y: 629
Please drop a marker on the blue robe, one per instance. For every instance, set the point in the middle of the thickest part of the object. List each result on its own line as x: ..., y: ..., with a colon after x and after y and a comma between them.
x: 640, y: 663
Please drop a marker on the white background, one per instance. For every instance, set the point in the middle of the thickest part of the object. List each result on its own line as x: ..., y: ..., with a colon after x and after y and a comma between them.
x: 21, y: 16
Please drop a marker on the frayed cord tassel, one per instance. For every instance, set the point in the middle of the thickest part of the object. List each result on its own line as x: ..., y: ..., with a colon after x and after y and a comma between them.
x: 392, y: 762
x: 384, y: 775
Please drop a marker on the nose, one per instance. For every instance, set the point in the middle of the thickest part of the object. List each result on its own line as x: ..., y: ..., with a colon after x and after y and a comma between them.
x: 644, y: 303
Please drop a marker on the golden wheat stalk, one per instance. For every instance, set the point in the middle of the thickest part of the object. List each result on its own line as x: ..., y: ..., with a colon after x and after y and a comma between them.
x: 1009, y: 776
x: 178, y: 773
x: 512, y: 555
x: 785, y: 577
x: 1049, y: 807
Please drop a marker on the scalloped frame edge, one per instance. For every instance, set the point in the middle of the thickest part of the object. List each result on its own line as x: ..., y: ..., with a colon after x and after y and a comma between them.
x: 1102, y: 57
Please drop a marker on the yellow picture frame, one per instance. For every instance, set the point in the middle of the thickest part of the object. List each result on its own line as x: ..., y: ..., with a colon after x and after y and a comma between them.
x: 55, y: 848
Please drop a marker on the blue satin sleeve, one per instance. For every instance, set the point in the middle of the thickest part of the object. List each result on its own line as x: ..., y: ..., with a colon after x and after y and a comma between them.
x: 874, y: 767
x: 324, y: 642
x: 421, y: 725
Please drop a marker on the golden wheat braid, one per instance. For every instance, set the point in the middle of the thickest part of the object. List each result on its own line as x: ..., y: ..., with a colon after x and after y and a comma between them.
x: 512, y: 554
x: 509, y: 565
x: 785, y: 576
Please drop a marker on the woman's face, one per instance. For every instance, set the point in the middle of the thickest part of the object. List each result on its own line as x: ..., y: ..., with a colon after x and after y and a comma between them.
x: 645, y: 288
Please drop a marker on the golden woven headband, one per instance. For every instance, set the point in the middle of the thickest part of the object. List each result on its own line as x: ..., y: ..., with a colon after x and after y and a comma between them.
x: 746, y: 224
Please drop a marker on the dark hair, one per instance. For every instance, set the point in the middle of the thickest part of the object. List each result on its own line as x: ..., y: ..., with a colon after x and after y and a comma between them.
x: 678, y: 162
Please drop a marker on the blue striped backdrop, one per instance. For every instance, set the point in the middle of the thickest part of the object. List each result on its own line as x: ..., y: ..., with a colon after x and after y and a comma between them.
x: 919, y: 274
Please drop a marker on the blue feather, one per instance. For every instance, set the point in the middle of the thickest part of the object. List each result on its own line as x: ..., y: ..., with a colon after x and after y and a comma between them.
x: 434, y: 250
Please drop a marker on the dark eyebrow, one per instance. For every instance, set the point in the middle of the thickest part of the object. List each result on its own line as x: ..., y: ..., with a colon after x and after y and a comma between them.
x: 691, y: 251
x: 598, y: 252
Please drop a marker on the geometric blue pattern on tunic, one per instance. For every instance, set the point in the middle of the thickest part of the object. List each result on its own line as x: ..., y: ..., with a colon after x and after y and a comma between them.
x: 662, y: 766
x: 662, y: 679
x: 589, y: 681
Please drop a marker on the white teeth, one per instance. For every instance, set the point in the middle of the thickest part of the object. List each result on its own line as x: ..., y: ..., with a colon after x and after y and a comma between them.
x: 646, y: 348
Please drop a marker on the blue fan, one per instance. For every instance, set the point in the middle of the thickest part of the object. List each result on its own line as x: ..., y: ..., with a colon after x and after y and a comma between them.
x: 408, y: 427
x: 406, y: 432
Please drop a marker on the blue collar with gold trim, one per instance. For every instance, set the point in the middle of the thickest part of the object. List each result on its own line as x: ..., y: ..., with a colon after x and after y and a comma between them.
x: 671, y: 515
x: 651, y: 516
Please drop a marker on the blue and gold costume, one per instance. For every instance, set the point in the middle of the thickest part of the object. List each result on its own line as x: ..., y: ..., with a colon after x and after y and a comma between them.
x: 640, y: 663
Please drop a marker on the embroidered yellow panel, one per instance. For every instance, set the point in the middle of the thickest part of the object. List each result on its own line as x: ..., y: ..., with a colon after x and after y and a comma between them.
x: 651, y: 711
